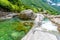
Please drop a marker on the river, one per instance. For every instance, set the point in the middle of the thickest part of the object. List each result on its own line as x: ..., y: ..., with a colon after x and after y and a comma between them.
x: 42, y: 28
x: 49, y: 26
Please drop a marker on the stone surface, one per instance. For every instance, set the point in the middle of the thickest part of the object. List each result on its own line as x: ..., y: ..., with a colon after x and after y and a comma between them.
x: 56, y: 20
x: 40, y: 35
x: 27, y: 14
x: 7, y: 16
x: 43, y: 36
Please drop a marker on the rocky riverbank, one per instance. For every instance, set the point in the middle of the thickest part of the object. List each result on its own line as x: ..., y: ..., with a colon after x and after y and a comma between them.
x: 24, y: 15
x: 6, y: 15
x: 28, y: 15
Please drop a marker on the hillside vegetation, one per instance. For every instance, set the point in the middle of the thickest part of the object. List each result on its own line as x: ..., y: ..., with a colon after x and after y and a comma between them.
x: 19, y: 5
x: 14, y: 5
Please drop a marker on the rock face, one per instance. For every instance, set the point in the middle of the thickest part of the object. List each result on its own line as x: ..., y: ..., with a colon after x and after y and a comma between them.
x: 56, y: 20
x: 3, y: 14
x: 43, y: 36
x: 40, y: 35
x: 6, y: 15
x: 27, y: 14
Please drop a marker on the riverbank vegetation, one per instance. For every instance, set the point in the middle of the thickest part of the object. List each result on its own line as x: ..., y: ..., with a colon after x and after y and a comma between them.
x: 14, y: 29
x: 19, y: 5
x: 14, y: 6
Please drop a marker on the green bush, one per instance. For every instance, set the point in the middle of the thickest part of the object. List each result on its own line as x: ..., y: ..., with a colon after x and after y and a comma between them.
x: 15, y: 5
x: 7, y: 5
x: 19, y: 5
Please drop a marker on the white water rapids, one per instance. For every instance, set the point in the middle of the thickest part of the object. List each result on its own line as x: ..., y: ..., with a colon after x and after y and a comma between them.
x: 42, y: 30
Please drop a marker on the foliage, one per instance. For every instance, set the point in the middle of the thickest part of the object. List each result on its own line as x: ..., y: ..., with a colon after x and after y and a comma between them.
x: 12, y: 29
x: 19, y: 5
x: 24, y: 26
x: 15, y: 5
x: 7, y: 5
x: 41, y: 4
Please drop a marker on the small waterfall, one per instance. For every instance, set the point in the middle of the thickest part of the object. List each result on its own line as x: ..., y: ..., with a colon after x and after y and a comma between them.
x: 41, y: 23
x: 49, y: 26
x: 38, y: 20
x: 38, y: 30
x: 37, y: 23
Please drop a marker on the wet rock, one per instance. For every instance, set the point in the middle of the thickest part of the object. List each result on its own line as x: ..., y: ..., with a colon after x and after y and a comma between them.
x: 55, y: 20
x: 3, y: 14
x: 12, y: 15
x: 27, y: 14
x: 40, y: 35
x: 43, y: 36
x: 28, y: 24
x: 6, y: 15
x: 58, y: 29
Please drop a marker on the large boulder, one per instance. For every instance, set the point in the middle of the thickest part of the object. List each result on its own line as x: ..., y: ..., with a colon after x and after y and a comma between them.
x: 27, y: 14
x: 39, y: 35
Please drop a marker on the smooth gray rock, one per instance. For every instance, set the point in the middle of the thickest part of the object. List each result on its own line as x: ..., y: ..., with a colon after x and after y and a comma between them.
x: 29, y: 14
x: 40, y: 35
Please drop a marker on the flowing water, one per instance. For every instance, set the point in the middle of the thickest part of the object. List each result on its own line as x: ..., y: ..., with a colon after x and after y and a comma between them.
x: 45, y: 25
x: 51, y: 28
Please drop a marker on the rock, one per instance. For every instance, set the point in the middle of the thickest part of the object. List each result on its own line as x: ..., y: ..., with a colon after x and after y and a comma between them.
x: 55, y: 20
x: 38, y: 19
x: 43, y: 36
x: 40, y: 35
x: 3, y: 14
x: 6, y: 15
x: 58, y: 29
x: 26, y: 14
x: 28, y: 24
x: 11, y: 15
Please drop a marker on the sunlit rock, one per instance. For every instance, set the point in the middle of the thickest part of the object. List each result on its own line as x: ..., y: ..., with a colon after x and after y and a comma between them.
x: 28, y: 24
x: 55, y: 20
x: 26, y: 14
x: 38, y: 35
x: 5, y: 16
x: 58, y: 29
